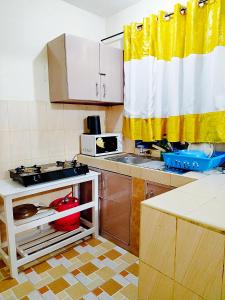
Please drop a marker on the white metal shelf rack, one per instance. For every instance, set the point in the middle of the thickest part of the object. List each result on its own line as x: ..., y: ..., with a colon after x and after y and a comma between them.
x: 42, y: 242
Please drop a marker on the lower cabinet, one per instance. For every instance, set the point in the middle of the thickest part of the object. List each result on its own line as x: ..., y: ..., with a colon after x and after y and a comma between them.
x: 115, y: 207
x: 153, y: 189
x: 115, y: 191
x: 153, y: 285
x: 199, y: 259
x: 142, y: 190
x: 120, y: 198
x: 181, y: 292
x: 179, y: 255
x: 158, y: 238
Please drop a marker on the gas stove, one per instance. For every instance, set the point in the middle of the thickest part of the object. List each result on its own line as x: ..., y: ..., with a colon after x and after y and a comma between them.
x: 48, y: 172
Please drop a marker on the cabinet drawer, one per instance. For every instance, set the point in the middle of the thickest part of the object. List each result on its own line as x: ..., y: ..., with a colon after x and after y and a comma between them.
x: 153, y: 189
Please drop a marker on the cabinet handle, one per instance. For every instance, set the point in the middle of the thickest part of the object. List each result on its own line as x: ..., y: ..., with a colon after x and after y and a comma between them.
x: 96, y: 87
x: 150, y: 194
x: 104, y: 90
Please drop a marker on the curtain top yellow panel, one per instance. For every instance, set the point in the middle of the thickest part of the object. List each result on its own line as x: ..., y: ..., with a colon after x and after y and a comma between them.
x: 194, y: 32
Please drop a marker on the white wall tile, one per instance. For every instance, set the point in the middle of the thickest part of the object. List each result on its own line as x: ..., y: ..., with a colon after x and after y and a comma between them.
x: 56, y: 140
x: 37, y: 114
x: 18, y: 115
x: 5, y: 146
x: 39, y: 143
x: 73, y: 117
x: 4, y: 167
x: 72, y: 142
x: 40, y: 132
x: 20, y: 145
x: 55, y: 116
x: 4, y: 117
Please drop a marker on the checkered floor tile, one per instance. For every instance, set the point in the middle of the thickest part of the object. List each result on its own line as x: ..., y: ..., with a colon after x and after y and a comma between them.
x: 94, y: 269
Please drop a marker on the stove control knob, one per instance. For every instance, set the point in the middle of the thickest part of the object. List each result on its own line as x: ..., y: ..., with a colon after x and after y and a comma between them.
x: 18, y: 170
x: 37, y: 178
x: 38, y: 169
x: 74, y: 163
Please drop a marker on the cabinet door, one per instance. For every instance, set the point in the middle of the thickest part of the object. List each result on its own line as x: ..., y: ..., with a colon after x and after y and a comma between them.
x: 82, y: 60
x: 154, y: 285
x: 115, y: 206
x: 111, y: 70
x: 153, y: 189
x: 158, y: 240
x: 138, y: 195
x: 199, y: 259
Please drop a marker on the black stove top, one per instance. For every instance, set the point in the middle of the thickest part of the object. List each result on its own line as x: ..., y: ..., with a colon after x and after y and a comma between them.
x: 48, y: 172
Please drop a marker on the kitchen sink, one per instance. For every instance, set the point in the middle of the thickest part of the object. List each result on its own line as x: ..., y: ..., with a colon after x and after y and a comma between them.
x: 145, y: 162
x: 130, y: 159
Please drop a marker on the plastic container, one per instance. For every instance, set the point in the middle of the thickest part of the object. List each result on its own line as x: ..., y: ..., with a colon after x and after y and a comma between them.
x: 182, y: 161
x: 192, y: 153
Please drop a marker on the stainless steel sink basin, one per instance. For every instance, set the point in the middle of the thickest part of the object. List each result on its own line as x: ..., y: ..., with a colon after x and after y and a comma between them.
x: 144, y: 162
x: 129, y: 159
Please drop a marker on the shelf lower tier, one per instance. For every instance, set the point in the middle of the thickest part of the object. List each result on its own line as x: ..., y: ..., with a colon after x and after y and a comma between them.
x: 44, y: 242
x: 46, y: 239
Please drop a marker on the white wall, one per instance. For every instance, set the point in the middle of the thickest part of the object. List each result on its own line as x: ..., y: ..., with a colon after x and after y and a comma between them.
x: 25, y: 28
x: 137, y: 12
x: 32, y: 130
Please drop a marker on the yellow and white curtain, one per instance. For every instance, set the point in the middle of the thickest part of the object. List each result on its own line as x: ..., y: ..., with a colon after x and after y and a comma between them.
x: 175, y: 75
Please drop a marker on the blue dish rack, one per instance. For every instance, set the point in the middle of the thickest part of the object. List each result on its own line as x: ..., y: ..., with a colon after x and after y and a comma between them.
x: 179, y: 161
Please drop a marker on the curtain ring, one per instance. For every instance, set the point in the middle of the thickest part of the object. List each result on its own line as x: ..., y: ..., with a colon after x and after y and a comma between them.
x: 167, y: 17
x: 139, y: 27
x: 183, y: 11
x: 202, y: 3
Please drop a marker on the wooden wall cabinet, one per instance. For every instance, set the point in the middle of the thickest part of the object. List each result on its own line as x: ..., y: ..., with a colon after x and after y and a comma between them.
x: 111, y: 74
x: 84, y: 71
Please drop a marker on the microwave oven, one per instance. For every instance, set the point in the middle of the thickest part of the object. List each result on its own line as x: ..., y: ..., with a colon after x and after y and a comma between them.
x: 101, y: 144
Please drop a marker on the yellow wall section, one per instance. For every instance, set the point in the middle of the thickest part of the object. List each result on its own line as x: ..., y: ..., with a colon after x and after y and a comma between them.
x: 191, y: 128
x: 196, y: 32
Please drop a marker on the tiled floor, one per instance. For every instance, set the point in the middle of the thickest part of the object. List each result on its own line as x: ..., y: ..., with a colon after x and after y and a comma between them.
x: 94, y: 269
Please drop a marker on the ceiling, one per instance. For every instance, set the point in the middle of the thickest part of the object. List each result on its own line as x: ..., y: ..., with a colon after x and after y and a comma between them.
x: 104, y: 8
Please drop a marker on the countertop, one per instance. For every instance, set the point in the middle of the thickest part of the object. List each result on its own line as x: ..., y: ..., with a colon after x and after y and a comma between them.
x: 202, y: 202
x: 199, y: 198
x: 157, y: 176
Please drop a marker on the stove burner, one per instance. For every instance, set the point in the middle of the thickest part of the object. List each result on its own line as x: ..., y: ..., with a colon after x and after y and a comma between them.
x: 44, y: 173
x: 32, y: 169
x: 60, y: 163
x: 64, y: 164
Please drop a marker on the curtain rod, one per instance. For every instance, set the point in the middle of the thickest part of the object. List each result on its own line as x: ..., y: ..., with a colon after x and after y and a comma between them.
x: 183, y: 10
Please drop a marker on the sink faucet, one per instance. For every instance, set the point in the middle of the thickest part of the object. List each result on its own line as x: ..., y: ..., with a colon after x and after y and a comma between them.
x: 143, y: 151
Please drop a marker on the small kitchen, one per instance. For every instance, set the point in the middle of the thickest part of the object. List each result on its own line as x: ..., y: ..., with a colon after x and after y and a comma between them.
x: 112, y: 150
